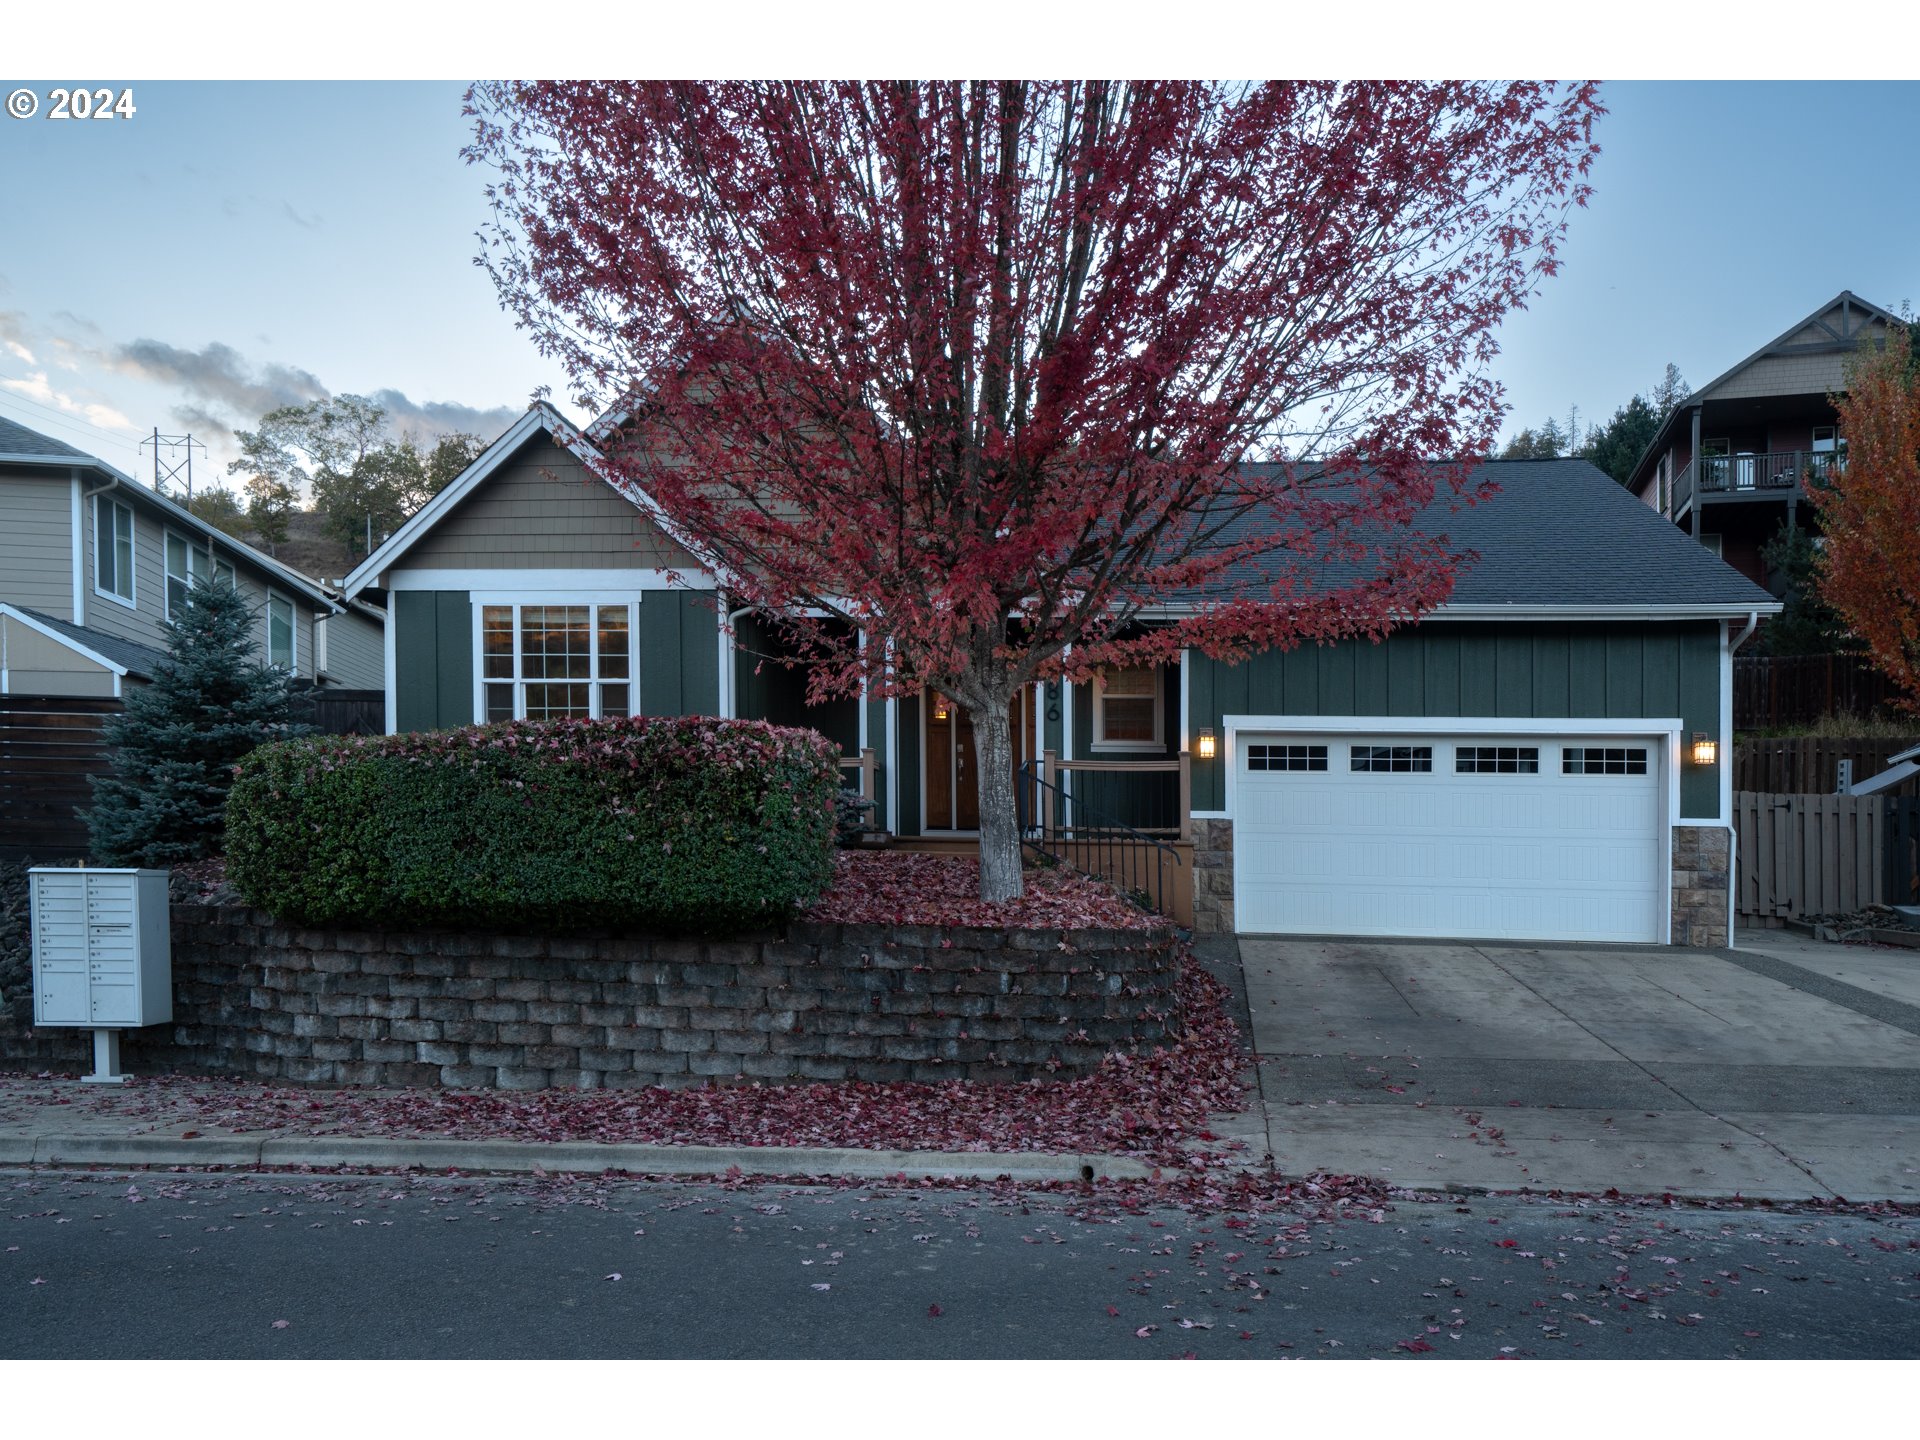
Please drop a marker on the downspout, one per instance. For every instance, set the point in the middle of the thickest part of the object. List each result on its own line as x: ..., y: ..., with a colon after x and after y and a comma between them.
x: 1733, y: 833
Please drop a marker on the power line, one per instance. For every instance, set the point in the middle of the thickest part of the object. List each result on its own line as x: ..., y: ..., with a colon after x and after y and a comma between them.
x: 171, y: 468
x: 69, y: 423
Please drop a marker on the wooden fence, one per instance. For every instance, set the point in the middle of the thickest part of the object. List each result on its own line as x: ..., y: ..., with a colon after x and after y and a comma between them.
x: 1808, y: 854
x: 1812, y: 767
x: 48, y: 749
x: 344, y: 712
x: 1771, y: 692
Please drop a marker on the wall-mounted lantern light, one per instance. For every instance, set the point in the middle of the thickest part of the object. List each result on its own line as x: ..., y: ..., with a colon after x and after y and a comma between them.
x: 1705, y: 751
x: 1203, y: 745
x: 940, y: 707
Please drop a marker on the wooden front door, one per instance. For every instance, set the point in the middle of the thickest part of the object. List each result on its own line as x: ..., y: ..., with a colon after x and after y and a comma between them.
x: 953, y: 781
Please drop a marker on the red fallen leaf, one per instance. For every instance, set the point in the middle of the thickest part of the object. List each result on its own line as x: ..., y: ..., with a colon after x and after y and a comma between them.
x: 733, y: 1172
x: 1751, y: 1334
x: 934, y: 1312
x: 1508, y: 1244
x: 1145, y: 1330
x: 1112, y: 1311
x: 1246, y: 1334
x: 189, y: 1134
x: 1189, y: 1356
x: 1417, y: 1347
x: 281, y: 1324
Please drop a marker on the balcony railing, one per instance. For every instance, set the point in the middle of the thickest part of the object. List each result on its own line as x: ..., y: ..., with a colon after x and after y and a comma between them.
x: 1777, y: 472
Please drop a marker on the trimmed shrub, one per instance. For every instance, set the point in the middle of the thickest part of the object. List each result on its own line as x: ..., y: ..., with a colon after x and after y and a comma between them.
x: 694, y: 824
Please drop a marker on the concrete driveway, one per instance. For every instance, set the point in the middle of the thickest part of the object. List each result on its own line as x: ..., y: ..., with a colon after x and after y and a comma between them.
x: 1787, y: 1071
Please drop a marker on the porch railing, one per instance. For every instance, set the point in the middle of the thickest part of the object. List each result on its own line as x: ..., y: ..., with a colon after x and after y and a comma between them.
x: 1775, y: 472
x: 1073, y: 833
x: 1171, y: 796
x: 863, y: 765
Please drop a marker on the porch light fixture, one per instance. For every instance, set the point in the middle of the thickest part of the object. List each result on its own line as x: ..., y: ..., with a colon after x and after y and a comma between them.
x: 939, y: 707
x: 1705, y: 751
x: 1203, y: 745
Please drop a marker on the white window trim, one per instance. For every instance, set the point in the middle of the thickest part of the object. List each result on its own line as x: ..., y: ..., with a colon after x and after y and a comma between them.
x: 519, y: 599
x: 293, y: 631
x: 1159, y: 741
x: 132, y: 598
x: 199, y: 555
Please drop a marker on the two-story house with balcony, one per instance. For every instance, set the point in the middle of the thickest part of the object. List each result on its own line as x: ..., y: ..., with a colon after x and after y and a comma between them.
x: 1732, y: 462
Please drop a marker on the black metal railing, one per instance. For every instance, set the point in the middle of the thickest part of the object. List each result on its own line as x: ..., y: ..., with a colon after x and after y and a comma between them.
x: 1065, y: 829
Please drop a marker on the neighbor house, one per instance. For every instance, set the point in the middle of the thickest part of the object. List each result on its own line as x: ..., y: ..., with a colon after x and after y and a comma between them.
x: 92, y: 565
x: 1521, y: 765
x: 92, y: 561
x: 1732, y: 462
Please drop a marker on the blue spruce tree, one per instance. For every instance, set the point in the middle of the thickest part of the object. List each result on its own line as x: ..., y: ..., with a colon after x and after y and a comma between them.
x: 174, y: 747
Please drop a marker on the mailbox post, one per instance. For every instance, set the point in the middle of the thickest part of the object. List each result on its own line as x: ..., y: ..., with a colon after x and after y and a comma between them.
x: 102, y: 957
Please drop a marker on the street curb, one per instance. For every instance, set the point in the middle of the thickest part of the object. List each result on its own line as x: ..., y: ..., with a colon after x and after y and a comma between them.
x: 516, y: 1157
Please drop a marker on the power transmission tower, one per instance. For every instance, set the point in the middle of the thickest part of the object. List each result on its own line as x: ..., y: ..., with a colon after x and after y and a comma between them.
x: 177, y: 463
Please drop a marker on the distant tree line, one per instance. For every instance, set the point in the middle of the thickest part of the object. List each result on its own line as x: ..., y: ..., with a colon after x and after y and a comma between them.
x: 363, y: 479
x: 1613, y: 446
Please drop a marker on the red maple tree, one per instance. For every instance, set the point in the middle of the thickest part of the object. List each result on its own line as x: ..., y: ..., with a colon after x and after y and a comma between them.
x: 1869, y: 507
x: 979, y: 367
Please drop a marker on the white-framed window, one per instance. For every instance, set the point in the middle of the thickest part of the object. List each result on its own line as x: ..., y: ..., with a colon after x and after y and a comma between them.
x: 282, y: 634
x: 554, y: 660
x: 113, y: 549
x: 187, y: 561
x: 1127, y: 709
x: 1829, y: 446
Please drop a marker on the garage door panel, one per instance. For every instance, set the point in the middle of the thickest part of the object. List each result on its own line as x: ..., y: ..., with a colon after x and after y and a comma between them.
x: 1544, y: 855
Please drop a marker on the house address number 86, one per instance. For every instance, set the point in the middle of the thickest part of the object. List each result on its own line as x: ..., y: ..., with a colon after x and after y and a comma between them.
x: 65, y: 103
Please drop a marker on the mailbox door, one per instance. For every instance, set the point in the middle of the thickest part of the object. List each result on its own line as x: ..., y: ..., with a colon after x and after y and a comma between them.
x: 60, y: 993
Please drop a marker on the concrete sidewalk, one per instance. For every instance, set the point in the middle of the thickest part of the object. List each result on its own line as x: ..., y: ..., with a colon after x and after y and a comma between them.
x: 1780, y: 1073
x: 65, y: 1122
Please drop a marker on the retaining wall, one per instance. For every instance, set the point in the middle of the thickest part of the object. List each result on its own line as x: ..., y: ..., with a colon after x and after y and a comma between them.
x: 819, y: 1002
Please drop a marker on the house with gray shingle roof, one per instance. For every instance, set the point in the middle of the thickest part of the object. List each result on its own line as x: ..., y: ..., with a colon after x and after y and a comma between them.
x: 1546, y: 756
x: 92, y: 563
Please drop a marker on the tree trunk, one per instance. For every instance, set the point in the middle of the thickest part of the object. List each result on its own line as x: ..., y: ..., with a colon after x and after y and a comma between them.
x: 1000, y: 877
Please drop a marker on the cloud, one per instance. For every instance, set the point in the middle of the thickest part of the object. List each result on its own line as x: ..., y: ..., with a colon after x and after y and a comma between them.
x: 431, y: 419
x: 219, y: 377
x: 13, y: 335
x: 35, y: 387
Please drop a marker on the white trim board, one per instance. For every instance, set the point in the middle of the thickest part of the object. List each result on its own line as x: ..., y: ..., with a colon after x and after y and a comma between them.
x: 520, y: 582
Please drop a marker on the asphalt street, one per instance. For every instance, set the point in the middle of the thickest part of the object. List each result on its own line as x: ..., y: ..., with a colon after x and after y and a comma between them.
x: 262, y: 1266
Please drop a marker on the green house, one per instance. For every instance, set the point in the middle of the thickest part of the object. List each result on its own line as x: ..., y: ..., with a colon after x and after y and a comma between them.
x: 1545, y: 757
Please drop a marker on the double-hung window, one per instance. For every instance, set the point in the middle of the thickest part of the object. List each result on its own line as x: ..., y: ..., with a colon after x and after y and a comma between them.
x: 187, y: 561
x: 1127, y: 713
x: 556, y: 661
x: 113, y: 548
x: 280, y: 631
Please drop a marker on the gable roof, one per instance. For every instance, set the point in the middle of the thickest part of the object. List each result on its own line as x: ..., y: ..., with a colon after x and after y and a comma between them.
x: 1811, y: 335
x: 18, y: 444
x: 123, y: 657
x: 37, y: 449
x: 541, y: 419
x: 1562, y: 539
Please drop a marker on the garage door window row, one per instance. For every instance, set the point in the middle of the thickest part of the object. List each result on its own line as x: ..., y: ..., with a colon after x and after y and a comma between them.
x: 1467, y: 759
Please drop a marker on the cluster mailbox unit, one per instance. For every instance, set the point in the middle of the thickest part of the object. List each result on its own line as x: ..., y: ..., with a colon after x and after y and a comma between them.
x: 101, y: 955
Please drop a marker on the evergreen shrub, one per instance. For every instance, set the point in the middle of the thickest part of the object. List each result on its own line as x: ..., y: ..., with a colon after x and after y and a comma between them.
x: 689, y: 824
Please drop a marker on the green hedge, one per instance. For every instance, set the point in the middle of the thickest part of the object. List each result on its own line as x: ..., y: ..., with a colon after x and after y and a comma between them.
x: 694, y: 824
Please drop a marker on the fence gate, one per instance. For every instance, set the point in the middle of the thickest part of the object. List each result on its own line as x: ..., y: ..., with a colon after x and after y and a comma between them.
x: 1808, y: 854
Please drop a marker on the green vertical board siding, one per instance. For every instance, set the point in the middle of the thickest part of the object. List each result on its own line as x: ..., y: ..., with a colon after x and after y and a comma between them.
x: 909, y: 717
x: 1513, y: 670
x: 432, y: 659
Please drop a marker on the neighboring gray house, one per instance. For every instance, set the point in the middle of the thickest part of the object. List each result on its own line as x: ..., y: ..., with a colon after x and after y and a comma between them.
x: 92, y: 561
x: 1521, y: 765
x: 350, y: 646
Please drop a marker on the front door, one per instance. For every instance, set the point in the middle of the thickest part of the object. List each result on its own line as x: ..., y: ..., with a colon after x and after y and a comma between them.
x: 953, y: 782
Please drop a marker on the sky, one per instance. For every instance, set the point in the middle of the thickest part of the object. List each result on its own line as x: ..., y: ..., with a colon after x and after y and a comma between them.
x: 235, y: 246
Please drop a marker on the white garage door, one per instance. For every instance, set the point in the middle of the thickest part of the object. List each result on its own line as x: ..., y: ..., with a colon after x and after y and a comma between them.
x: 1493, y: 837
